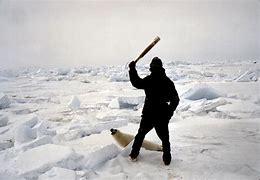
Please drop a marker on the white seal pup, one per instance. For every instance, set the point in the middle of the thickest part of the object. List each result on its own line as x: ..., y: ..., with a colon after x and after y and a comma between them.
x: 124, y: 139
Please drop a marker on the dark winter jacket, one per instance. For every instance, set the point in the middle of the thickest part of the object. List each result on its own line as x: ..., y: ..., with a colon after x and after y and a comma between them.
x: 161, y: 96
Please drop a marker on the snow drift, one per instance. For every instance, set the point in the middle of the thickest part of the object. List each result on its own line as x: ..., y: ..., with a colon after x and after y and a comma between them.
x: 202, y: 92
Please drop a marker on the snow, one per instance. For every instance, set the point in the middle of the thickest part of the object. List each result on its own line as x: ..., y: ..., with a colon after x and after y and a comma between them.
x: 241, y: 109
x: 57, y: 173
x: 3, y: 120
x: 51, y: 132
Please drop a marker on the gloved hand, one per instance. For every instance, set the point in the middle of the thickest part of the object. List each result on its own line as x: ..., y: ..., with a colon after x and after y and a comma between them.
x: 132, y: 65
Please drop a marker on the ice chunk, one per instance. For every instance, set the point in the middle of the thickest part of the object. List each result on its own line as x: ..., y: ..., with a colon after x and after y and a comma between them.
x: 172, y: 74
x: 34, y: 143
x: 42, y: 128
x: 129, y: 102
x: 204, y: 105
x: 126, y: 102
x: 57, y: 173
x: 197, y: 106
x: 62, y: 71
x: 74, y: 103
x: 213, y: 104
x: 208, y: 74
x: 29, y: 134
x: 31, y: 122
x: 5, y: 145
x: 119, y: 77
x: 23, y: 134
x: 3, y: 120
x: 42, y: 158
x: 97, y: 158
x: 183, y: 106
x: 81, y: 70
x: 201, y: 92
x: 4, y: 101
x: 75, y: 134
x: 248, y: 76
x: 114, y: 104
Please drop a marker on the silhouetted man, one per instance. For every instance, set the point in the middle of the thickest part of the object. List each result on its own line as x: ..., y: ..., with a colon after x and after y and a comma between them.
x: 160, y: 102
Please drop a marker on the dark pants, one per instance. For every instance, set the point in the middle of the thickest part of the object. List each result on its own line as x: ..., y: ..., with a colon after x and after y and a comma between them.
x: 161, y: 128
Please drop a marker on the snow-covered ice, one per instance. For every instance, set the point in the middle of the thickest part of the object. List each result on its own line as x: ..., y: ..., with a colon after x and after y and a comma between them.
x: 24, y: 134
x: 40, y: 159
x: 201, y: 92
x: 126, y: 102
x: 3, y: 120
x: 57, y: 173
x: 74, y: 103
x: 251, y: 75
x: 4, y: 101
x: 51, y: 132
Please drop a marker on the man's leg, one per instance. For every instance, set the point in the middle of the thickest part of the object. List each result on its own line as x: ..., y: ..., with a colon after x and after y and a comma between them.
x: 162, y: 131
x: 145, y: 127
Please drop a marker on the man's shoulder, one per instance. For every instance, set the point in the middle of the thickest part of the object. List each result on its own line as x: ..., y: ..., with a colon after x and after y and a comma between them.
x: 170, y: 82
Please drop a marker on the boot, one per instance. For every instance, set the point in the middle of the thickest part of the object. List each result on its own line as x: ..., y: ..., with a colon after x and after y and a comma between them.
x: 133, y: 156
x: 167, y: 158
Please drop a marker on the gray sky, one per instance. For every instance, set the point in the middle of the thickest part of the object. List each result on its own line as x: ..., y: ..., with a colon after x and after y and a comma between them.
x: 74, y: 33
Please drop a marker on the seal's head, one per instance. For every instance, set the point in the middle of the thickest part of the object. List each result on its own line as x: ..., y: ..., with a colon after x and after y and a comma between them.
x: 113, y: 131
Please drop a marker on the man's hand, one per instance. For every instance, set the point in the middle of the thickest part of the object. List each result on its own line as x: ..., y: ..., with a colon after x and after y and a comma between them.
x: 132, y: 65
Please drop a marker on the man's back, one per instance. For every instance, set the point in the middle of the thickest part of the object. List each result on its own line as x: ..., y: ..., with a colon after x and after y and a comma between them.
x: 159, y: 89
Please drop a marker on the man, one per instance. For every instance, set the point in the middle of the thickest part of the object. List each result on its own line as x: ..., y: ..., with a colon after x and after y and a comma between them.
x: 160, y: 102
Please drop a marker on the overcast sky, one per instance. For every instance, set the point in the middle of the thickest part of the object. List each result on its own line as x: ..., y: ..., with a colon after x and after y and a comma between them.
x: 75, y: 33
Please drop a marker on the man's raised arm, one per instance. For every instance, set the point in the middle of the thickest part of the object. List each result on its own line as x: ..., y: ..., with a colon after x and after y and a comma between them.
x: 134, y: 78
